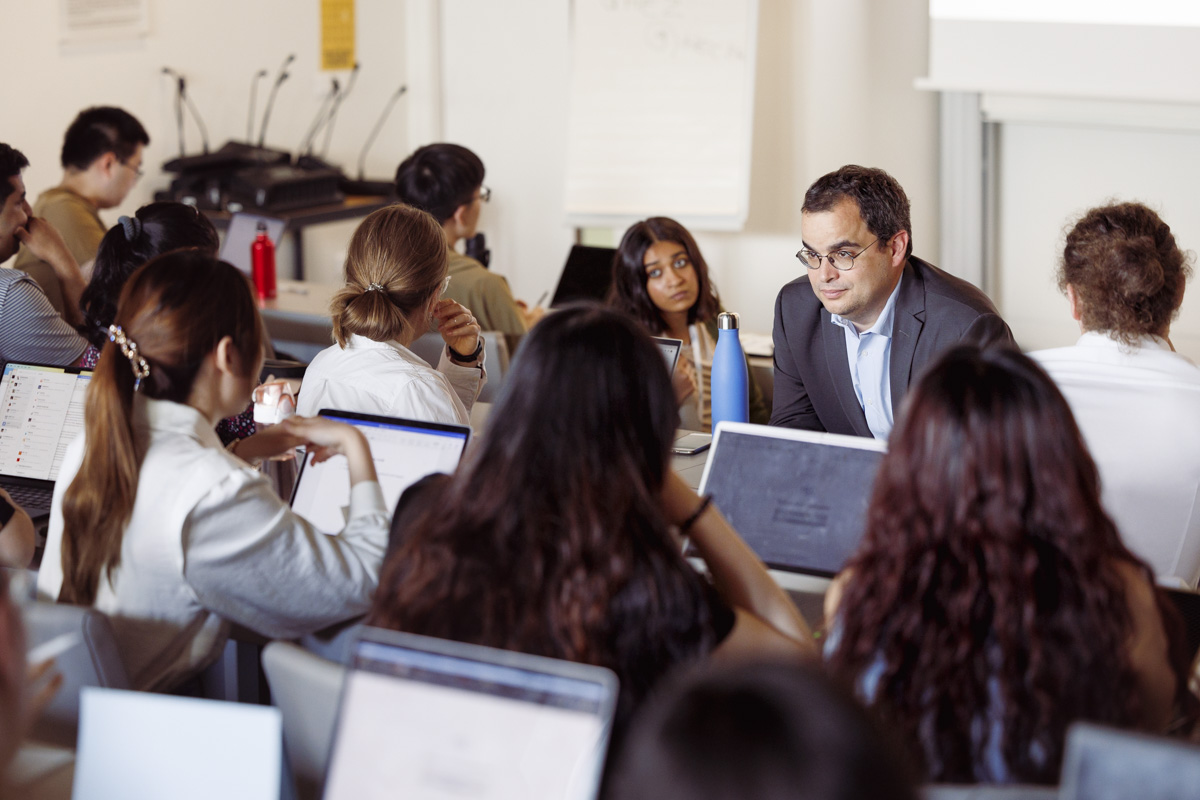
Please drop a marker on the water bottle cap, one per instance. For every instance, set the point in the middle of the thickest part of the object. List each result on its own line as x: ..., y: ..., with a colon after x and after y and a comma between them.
x: 727, y: 320
x: 261, y: 227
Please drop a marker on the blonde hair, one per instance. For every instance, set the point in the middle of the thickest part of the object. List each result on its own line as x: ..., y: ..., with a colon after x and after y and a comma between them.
x: 397, y: 260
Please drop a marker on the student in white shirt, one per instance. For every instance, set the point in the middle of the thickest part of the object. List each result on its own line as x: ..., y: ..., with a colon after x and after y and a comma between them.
x: 1136, y: 400
x: 173, y: 536
x: 396, y: 270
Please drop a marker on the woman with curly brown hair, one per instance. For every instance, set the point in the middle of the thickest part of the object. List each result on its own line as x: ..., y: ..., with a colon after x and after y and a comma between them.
x: 1137, y: 401
x: 992, y: 603
x: 558, y: 536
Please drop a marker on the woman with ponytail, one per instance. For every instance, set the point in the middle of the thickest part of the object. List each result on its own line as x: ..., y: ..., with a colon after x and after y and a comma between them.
x: 396, y: 271
x: 1136, y: 400
x: 157, y: 525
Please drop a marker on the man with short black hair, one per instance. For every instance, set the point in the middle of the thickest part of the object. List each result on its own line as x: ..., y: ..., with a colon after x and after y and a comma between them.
x: 446, y: 180
x: 102, y: 160
x: 869, y: 317
x: 30, y: 329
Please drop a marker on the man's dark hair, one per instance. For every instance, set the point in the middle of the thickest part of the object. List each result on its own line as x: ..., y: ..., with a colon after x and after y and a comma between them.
x: 100, y: 130
x: 12, y: 161
x: 881, y: 200
x: 438, y: 178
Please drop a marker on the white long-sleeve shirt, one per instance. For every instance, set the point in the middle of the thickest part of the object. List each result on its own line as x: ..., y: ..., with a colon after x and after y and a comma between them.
x: 388, y: 379
x: 209, y: 543
x: 1139, y: 411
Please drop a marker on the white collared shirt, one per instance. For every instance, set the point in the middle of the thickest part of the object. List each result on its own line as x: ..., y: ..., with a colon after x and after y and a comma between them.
x: 388, y: 379
x: 869, y: 355
x: 210, y: 542
x: 1139, y: 412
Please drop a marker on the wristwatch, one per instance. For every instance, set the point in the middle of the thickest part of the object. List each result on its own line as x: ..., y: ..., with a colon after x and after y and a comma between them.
x: 459, y: 358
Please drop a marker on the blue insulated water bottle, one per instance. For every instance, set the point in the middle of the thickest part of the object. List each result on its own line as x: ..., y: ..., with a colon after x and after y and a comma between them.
x: 730, y: 385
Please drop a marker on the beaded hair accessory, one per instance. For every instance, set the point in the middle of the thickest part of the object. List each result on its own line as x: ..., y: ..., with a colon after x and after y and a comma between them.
x: 132, y: 227
x: 375, y: 287
x: 129, y: 349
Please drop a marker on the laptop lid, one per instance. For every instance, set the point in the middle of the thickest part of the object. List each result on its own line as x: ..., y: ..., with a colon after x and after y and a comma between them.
x: 670, y: 349
x: 423, y: 717
x: 41, y: 412
x: 587, y: 275
x: 798, y: 498
x: 242, y: 231
x: 404, y: 451
x: 143, y: 745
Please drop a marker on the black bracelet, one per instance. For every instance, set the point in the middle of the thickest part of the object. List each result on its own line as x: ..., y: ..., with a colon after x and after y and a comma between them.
x: 705, y: 502
x: 459, y: 358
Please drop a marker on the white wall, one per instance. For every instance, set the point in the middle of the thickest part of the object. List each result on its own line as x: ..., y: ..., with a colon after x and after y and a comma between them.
x: 218, y: 45
x: 834, y: 86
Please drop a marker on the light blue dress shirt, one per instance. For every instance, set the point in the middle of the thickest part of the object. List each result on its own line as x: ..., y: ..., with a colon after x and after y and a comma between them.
x: 870, y: 357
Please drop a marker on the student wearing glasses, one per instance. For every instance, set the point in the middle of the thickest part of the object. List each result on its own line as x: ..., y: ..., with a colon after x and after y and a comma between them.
x: 396, y: 275
x: 101, y: 160
x: 661, y: 279
x: 868, y: 317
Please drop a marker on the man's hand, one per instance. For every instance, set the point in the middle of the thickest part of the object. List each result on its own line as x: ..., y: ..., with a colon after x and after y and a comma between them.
x: 47, y: 244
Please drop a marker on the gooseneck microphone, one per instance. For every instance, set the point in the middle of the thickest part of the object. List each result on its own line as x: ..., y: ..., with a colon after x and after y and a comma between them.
x: 306, y: 144
x: 283, y: 76
x: 337, y: 103
x: 387, y: 109
x: 180, y: 87
x: 262, y: 73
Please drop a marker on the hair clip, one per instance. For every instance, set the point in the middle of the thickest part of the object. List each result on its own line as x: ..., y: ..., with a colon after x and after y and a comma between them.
x: 129, y: 349
x: 132, y: 227
x: 375, y: 287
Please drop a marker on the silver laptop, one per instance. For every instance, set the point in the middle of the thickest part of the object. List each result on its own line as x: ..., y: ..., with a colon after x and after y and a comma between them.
x: 41, y: 412
x: 137, y: 745
x: 670, y: 349
x: 404, y: 451
x: 798, y: 498
x: 430, y: 718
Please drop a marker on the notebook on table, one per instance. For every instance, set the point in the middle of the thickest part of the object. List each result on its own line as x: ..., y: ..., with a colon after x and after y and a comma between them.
x: 404, y: 451
x: 798, y: 498
x: 41, y: 412
x: 429, y: 718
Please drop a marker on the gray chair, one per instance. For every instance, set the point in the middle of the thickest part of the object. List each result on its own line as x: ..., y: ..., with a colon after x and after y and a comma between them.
x: 306, y: 689
x: 1107, y: 764
x: 495, y: 349
x: 93, y: 662
x: 429, y: 347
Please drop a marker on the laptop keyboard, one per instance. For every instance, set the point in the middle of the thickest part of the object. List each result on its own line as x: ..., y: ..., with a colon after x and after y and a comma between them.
x: 30, y: 496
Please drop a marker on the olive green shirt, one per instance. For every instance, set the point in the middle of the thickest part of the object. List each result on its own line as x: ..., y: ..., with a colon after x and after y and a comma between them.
x: 78, y: 222
x: 487, y: 296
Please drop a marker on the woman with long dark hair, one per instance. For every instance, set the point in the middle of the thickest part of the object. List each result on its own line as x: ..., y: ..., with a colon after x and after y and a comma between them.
x: 159, y: 526
x: 558, y: 535
x: 660, y: 279
x: 992, y: 603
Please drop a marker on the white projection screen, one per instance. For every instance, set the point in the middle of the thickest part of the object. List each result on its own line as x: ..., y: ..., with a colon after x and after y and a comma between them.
x: 1120, y: 49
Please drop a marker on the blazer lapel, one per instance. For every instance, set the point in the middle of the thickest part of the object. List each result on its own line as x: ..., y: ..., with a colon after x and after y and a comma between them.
x: 833, y: 339
x: 906, y: 329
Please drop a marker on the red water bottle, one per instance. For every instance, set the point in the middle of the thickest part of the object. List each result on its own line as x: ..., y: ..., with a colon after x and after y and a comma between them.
x: 262, y: 260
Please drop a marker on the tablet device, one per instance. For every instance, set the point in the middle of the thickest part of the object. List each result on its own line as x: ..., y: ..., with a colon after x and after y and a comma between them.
x: 404, y: 451
x: 798, y: 498
x: 430, y: 718
x: 243, y: 230
x: 670, y: 349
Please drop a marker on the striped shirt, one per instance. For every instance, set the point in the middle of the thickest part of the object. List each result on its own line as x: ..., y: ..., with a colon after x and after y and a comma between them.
x: 31, y: 331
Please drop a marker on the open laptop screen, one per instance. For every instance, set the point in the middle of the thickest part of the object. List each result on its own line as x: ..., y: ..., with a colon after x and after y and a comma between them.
x: 587, y: 275
x: 41, y: 412
x: 798, y: 498
x: 428, y: 718
x: 404, y: 451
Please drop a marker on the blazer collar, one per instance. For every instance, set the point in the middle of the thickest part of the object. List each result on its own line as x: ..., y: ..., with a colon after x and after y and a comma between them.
x: 906, y: 330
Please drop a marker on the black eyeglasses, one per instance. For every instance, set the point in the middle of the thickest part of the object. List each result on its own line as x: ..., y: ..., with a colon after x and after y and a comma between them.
x: 841, y: 260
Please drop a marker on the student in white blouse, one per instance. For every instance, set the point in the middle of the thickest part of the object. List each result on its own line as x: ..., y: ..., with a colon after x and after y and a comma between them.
x: 1136, y: 400
x: 396, y: 270
x: 173, y: 536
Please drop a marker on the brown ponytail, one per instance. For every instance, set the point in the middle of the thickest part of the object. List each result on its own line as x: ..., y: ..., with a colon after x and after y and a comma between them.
x: 177, y: 308
x: 396, y: 262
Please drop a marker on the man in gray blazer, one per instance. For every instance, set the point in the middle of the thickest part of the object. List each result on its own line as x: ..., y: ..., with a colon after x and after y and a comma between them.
x: 852, y: 334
